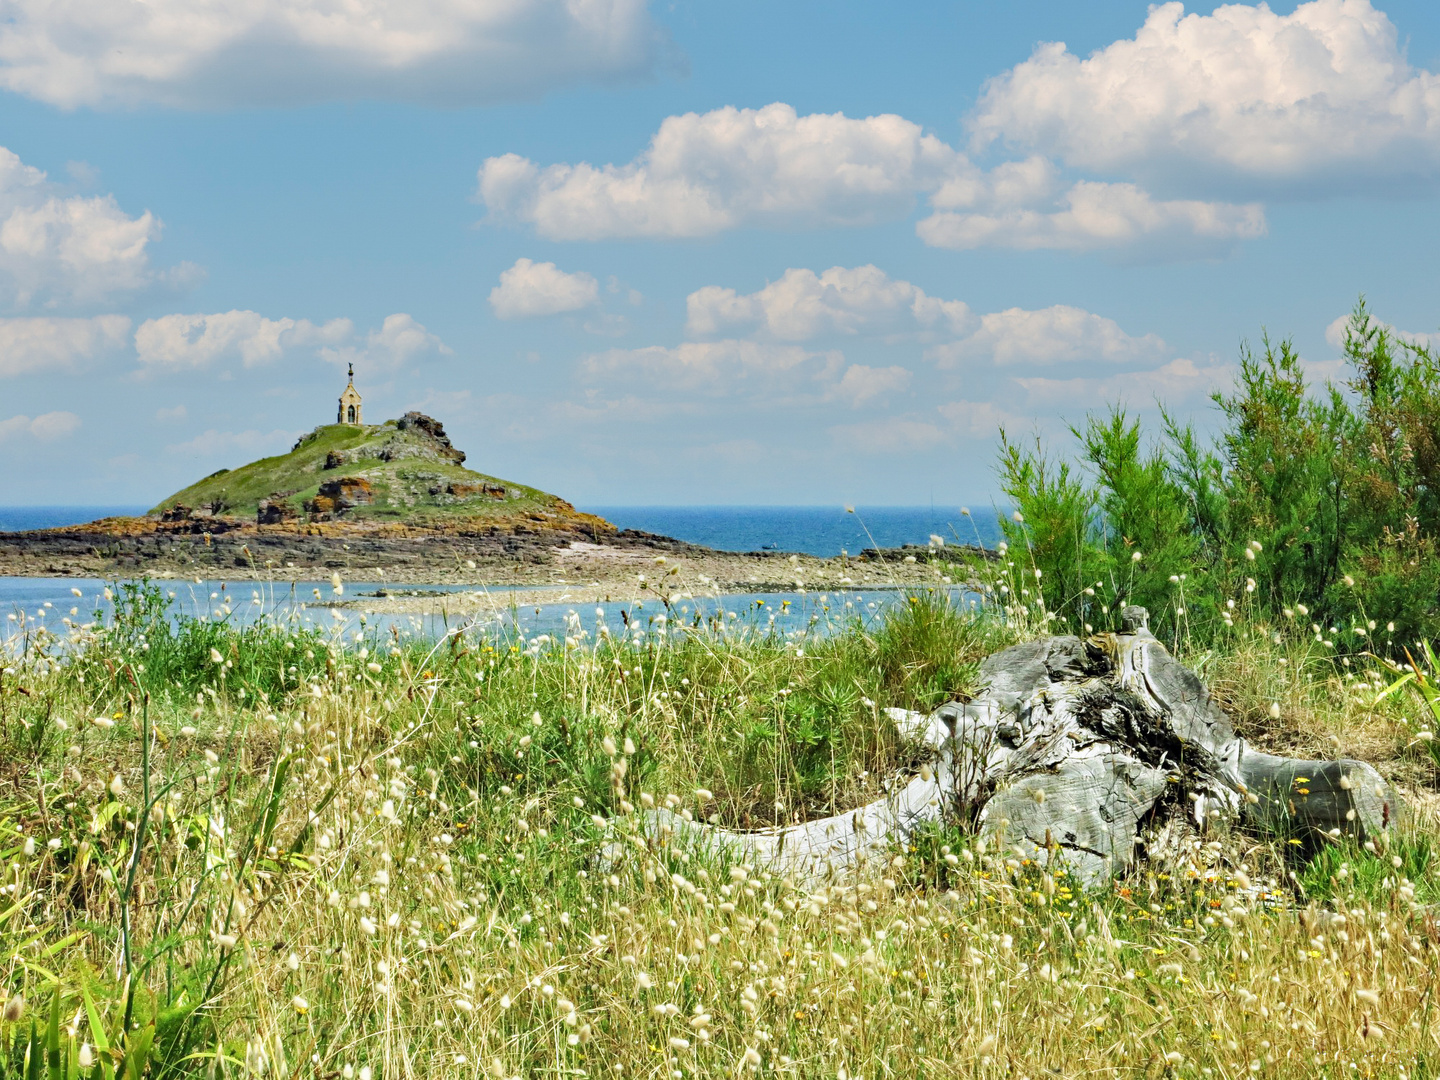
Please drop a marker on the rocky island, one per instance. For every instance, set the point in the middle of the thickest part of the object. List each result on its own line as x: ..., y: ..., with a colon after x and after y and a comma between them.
x: 394, y: 495
x: 394, y: 501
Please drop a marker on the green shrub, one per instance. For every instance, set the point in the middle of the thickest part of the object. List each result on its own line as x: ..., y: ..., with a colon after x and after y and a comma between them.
x: 1321, y: 507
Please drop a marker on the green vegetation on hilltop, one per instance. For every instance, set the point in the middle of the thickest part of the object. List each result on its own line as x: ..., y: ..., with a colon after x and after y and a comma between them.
x: 407, y: 472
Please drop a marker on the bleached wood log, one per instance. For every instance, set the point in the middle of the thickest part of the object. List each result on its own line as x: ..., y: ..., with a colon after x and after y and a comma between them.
x: 1069, y: 748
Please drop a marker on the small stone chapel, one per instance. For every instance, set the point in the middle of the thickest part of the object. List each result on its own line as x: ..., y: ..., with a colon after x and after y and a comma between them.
x: 350, y: 403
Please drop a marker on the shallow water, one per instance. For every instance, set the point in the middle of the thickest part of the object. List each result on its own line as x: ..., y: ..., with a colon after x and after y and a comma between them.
x: 27, y: 602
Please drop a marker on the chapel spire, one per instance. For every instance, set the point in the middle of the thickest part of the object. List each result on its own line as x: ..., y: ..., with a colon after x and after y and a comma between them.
x: 349, y: 403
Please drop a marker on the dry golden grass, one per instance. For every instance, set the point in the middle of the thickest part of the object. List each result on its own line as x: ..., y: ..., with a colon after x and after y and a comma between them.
x: 395, y: 873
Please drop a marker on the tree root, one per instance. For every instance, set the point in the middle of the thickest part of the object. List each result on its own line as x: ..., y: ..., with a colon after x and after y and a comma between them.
x: 1069, y: 747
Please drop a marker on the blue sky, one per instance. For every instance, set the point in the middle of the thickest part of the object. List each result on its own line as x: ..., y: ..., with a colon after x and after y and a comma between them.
x: 690, y: 252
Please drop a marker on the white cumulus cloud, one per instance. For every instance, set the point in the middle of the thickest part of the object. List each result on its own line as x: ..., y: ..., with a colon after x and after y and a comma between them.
x: 730, y: 367
x: 1177, y: 381
x: 46, y: 426
x: 804, y: 304
x: 1092, y: 215
x: 1059, y: 334
x: 529, y: 289
x: 190, y: 342
x: 60, y: 250
x: 704, y: 173
x: 768, y: 374
x: 49, y: 345
x: 207, y: 54
x: 398, y: 341
x: 1321, y: 96
x: 860, y: 383
x: 178, y: 342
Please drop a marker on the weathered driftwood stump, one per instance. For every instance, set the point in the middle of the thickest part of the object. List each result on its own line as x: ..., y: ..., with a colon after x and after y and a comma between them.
x: 1072, y: 747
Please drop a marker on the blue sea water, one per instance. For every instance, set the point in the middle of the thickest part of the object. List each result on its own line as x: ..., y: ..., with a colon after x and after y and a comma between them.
x: 21, y: 518
x: 815, y: 530
x: 811, y: 530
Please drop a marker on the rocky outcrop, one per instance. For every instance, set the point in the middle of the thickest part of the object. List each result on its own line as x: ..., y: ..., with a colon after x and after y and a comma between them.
x: 462, y: 490
x: 343, y: 494
x: 204, y: 512
x: 277, y: 510
x: 433, y: 430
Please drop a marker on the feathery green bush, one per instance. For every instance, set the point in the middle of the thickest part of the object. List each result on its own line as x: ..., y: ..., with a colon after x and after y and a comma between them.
x: 1318, y: 507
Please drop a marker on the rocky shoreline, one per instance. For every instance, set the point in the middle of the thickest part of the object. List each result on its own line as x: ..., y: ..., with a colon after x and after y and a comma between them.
x: 538, y: 555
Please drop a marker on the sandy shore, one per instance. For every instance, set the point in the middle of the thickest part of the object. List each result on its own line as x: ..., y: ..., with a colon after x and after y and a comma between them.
x: 586, y: 573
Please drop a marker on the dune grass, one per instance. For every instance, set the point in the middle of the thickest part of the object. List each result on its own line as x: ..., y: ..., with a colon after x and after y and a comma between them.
x: 267, y: 852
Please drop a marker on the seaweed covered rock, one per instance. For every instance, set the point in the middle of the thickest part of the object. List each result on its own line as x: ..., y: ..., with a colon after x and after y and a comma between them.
x: 1075, y: 747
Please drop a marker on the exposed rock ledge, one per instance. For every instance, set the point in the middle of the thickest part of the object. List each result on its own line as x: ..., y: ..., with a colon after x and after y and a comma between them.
x: 1079, y: 748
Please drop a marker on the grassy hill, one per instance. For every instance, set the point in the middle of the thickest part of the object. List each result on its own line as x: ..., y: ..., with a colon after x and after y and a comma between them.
x: 401, y: 471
